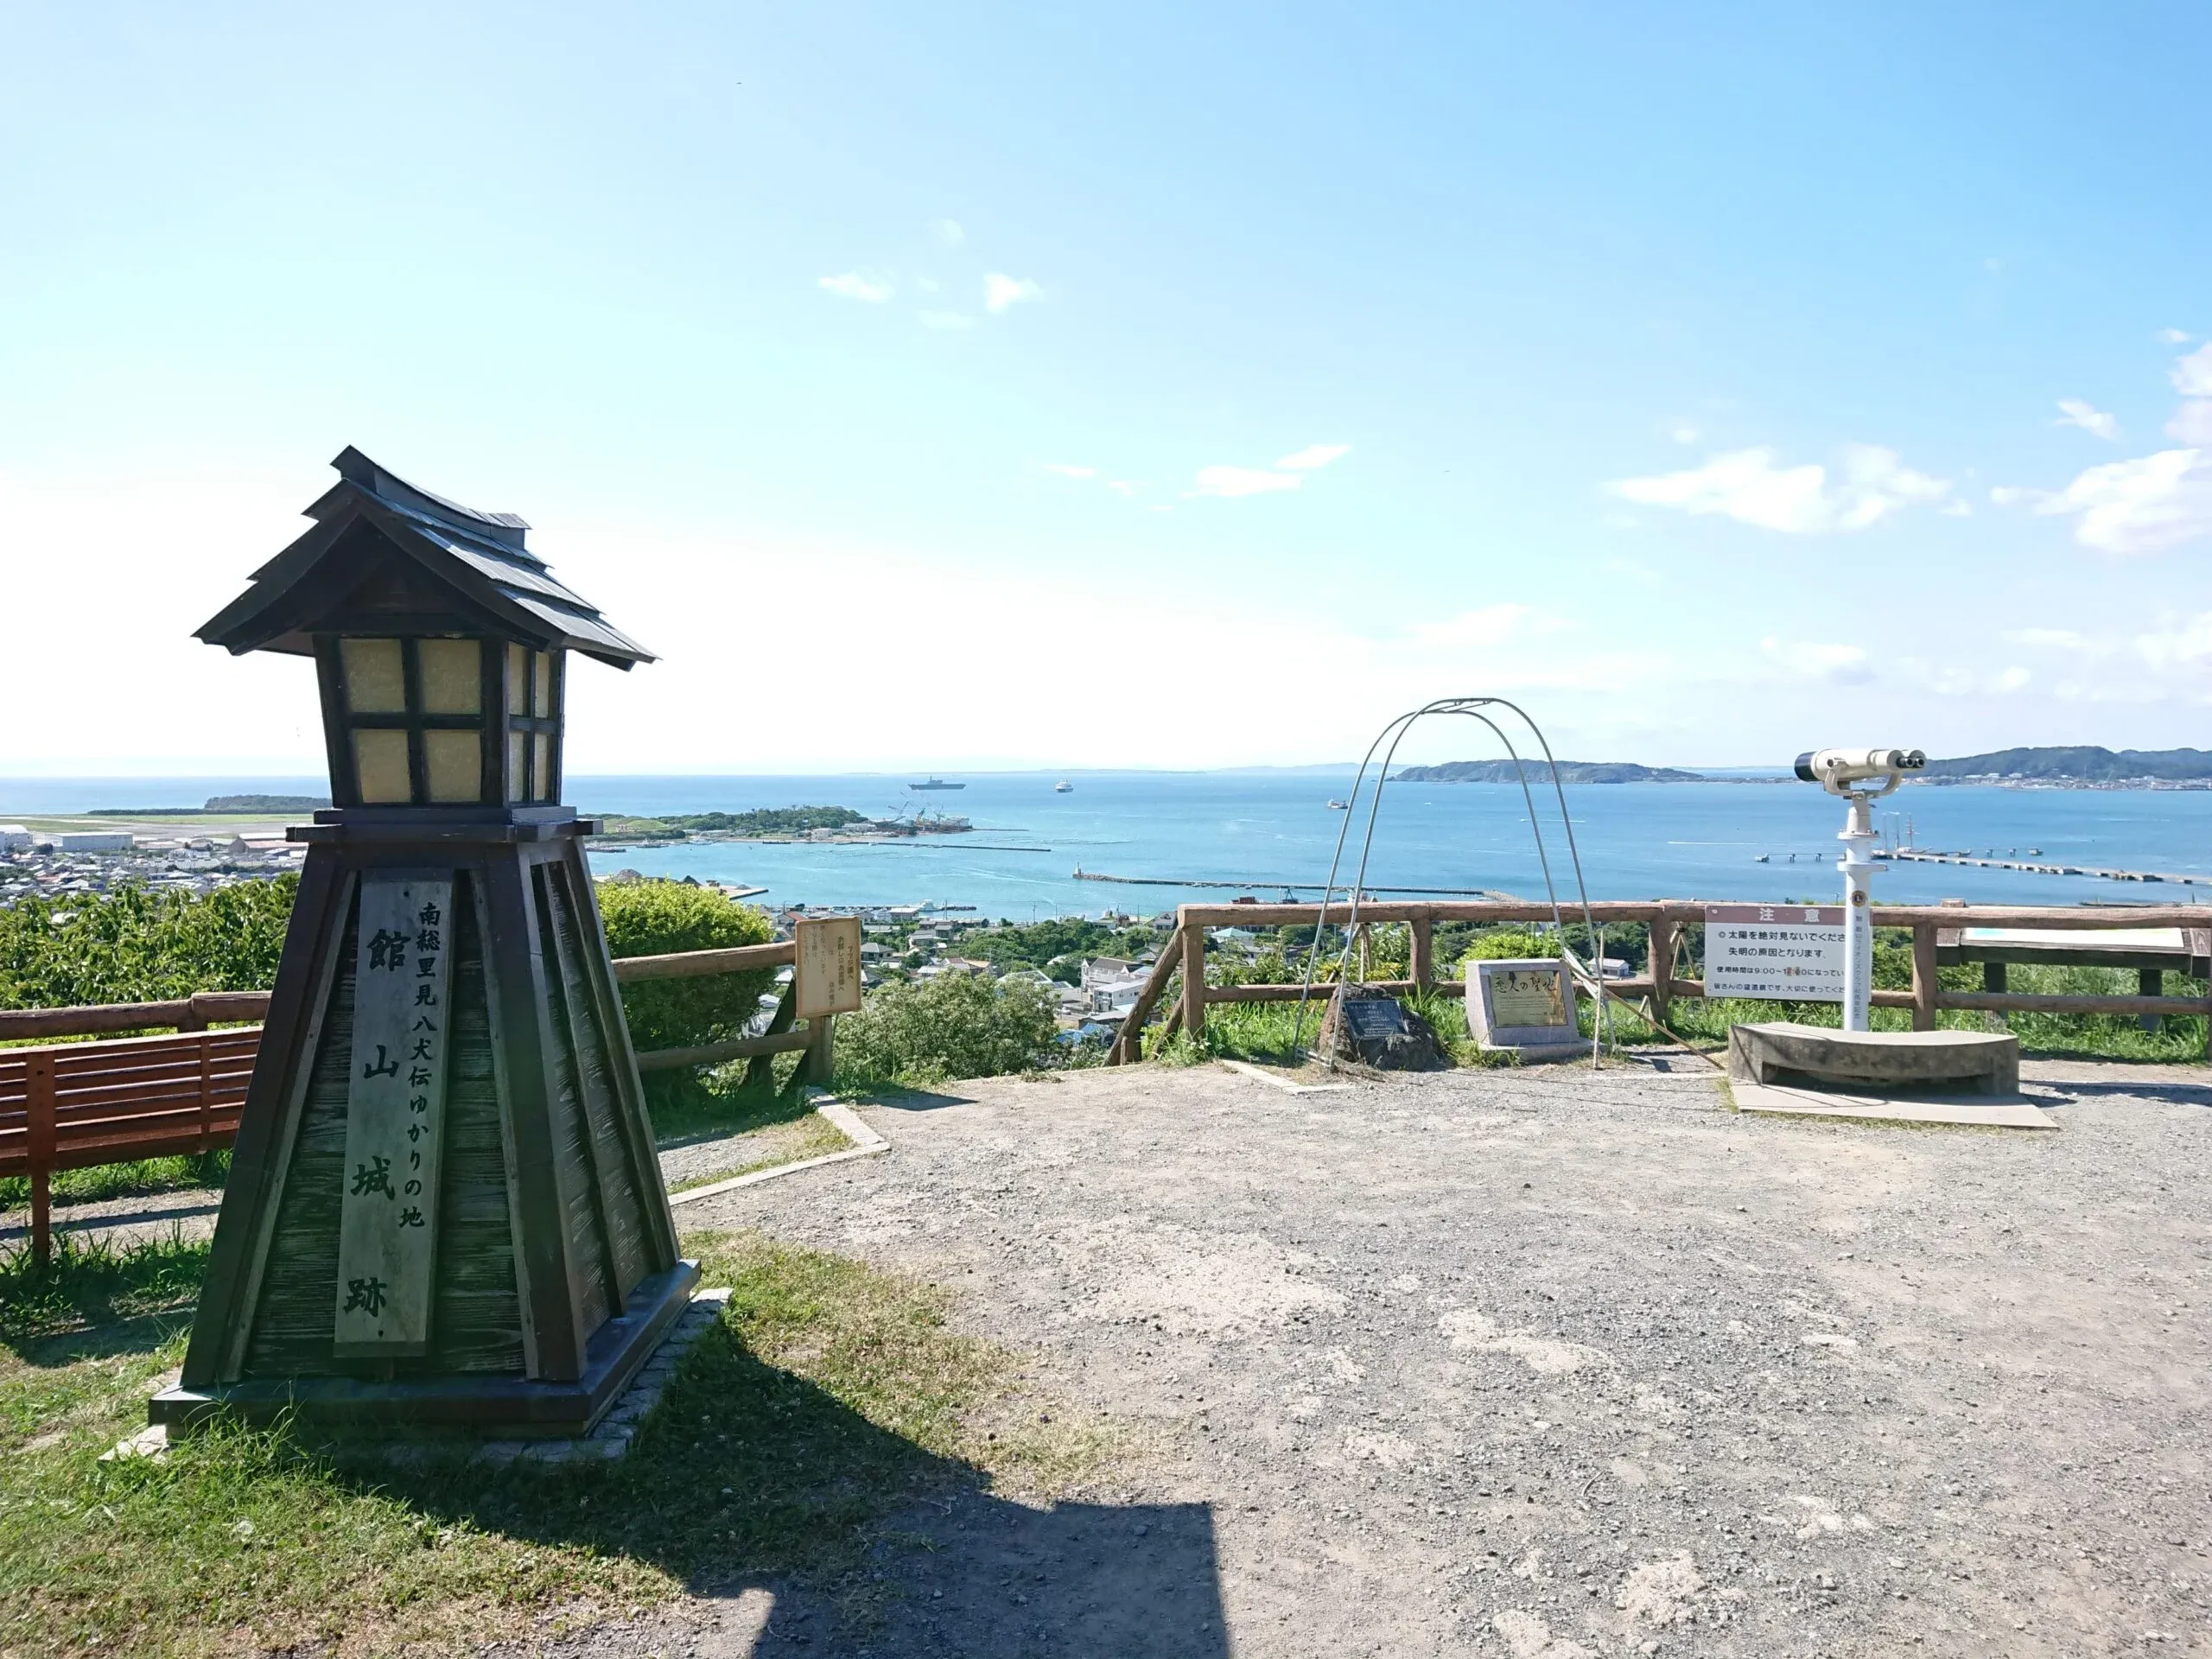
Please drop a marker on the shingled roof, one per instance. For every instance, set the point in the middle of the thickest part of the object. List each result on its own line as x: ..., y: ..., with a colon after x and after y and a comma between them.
x: 385, y: 556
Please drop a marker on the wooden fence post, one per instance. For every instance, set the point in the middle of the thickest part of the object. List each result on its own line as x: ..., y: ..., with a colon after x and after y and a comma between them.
x: 1194, y: 981
x: 1661, y: 964
x: 1924, y: 981
x: 1423, y: 965
x: 39, y: 1149
x: 820, y: 1063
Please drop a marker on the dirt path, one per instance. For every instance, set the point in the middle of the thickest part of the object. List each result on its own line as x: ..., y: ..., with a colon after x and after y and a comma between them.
x: 1544, y: 1363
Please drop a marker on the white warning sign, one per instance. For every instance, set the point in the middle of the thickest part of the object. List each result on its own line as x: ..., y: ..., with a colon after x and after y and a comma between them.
x: 1781, y: 953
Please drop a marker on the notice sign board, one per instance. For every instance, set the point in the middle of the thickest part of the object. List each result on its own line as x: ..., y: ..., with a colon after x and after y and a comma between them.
x: 1781, y: 953
x: 828, y: 969
x: 395, y: 1117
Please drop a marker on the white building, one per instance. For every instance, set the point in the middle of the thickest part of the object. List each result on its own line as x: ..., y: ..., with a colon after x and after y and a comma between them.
x: 94, y: 840
x: 14, y: 838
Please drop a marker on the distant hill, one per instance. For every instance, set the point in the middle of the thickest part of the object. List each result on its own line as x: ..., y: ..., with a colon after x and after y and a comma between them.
x: 1570, y: 772
x: 2085, y: 765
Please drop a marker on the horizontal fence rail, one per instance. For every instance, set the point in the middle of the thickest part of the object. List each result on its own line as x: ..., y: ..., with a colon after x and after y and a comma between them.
x: 76, y: 1105
x: 1934, y: 929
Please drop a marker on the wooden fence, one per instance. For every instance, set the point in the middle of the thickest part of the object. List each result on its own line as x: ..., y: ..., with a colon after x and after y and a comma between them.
x: 1933, y: 927
x: 74, y: 1105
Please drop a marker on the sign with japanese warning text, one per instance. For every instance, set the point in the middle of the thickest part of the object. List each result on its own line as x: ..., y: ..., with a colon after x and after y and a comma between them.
x: 1787, y: 953
x: 828, y: 966
x: 395, y: 1117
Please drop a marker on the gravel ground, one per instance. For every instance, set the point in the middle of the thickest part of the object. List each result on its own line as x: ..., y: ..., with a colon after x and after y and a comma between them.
x: 1544, y: 1363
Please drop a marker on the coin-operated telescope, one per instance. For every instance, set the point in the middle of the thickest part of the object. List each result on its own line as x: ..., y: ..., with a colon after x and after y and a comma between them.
x: 1860, y: 776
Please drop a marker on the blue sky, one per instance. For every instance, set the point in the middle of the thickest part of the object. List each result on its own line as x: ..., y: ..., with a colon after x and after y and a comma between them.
x: 970, y: 385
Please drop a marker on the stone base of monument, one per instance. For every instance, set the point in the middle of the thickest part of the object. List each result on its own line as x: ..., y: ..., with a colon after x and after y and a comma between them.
x: 1373, y: 1028
x: 402, y: 1407
x: 608, y: 1439
x: 1919, y: 1077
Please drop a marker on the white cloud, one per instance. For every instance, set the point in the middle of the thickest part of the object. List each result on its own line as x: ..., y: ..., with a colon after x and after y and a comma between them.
x: 1121, y: 486
x: 1243, y: 480
x: 2056, y: 638
x: 1745, y: 484
x: 1839, y: 664
x: 871, y: 290
x: 1634, y: 571
x: 2137, y: 506
x: 2192, y: 375
x: 1683, y: 431
x: 1002, y: 293
x: 2074, y: 412
x: 2192, y: 423
x: 947, y: 232
x: 2174, y: 336
x: 1314, y: 455
x: 1493, y: 625
x: 947, y: 320
x: 1067, y: 471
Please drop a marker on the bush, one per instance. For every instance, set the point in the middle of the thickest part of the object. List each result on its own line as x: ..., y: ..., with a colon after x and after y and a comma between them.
x: 136, y: 945
x: 954, y: 1026
x: 653, y: 918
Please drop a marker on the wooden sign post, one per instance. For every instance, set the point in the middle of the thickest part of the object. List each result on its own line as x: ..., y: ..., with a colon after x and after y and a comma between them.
x: 826, y: 981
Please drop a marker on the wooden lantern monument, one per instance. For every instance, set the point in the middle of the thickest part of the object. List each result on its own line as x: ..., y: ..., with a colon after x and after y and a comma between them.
x: 444, y: 1207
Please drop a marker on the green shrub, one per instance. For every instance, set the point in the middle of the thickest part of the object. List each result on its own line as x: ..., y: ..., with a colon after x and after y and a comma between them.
x: 954, y: 1026
x: 136, y: 945
x: 653, y: 918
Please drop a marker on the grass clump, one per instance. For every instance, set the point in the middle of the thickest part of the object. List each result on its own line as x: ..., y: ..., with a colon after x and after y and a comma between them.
x: 830, y: 1396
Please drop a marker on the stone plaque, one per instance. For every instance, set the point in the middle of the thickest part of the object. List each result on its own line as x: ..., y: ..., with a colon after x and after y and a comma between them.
x: 828, y: 966
x: 1373, y: 1017
x: 1524, y: 1004
x: 395, y: 1117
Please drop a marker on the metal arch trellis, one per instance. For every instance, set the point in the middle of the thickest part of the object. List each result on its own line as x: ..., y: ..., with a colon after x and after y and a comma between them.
x: 1393, y: 731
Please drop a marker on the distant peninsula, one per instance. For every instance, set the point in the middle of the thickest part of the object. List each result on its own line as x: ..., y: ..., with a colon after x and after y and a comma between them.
x: 1570, y: 772
x: 2077, y: 765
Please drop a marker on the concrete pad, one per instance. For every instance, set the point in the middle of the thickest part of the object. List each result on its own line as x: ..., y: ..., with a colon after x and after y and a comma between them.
x: 1977, y: 1109
x: 1784, y: 1053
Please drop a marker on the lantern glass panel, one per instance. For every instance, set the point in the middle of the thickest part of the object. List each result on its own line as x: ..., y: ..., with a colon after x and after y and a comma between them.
x: 376, y: 683
x: 541, y: 769
x: 452, y: 678
x: 518, y: 764
x: 540, y: 684
x: 453, y: 764
x: 380, y: 767
x: 518, y: 680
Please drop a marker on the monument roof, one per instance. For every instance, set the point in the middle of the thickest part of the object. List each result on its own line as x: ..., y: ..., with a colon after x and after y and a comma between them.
x: 386, y: 556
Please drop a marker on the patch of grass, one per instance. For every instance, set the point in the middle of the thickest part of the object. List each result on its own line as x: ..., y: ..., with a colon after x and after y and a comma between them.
x: 830, y: 1396
x: 693, y: 1105
x: 90, y: 1283
x: 810, y: 1136
x: 146, y: 1175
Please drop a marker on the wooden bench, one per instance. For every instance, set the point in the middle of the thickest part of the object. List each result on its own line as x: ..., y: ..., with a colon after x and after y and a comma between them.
x: 73, y: 1105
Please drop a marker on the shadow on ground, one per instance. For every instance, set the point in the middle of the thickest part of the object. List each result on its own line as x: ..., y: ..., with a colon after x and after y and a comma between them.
x: 750, y: 1478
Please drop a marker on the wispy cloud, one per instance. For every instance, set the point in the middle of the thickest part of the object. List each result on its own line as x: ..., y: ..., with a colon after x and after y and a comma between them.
x: 1066, y: 471
x: 947, y: 232
x: 1683, y: 431
x: 2074, y: 412
x: 2143, y: 505
x: 1839, y: 664
x: 948, y: 320
x: 1002, y: 292
x: 2192, y: 375
x: 1492, y: 625
x: 2175, y: 336
x: 1314, y: 455
x: 871, y: 290
x: 1243, y: 480
x: 1747, y: 485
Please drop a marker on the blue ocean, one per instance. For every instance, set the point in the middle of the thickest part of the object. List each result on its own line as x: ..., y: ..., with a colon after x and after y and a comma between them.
x: 1262, y: 831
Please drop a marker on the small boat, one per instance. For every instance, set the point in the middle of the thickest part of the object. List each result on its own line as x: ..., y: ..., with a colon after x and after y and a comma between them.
x: 1764, y: 857
x: 1339, y: 806
x: 1063, y: 787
